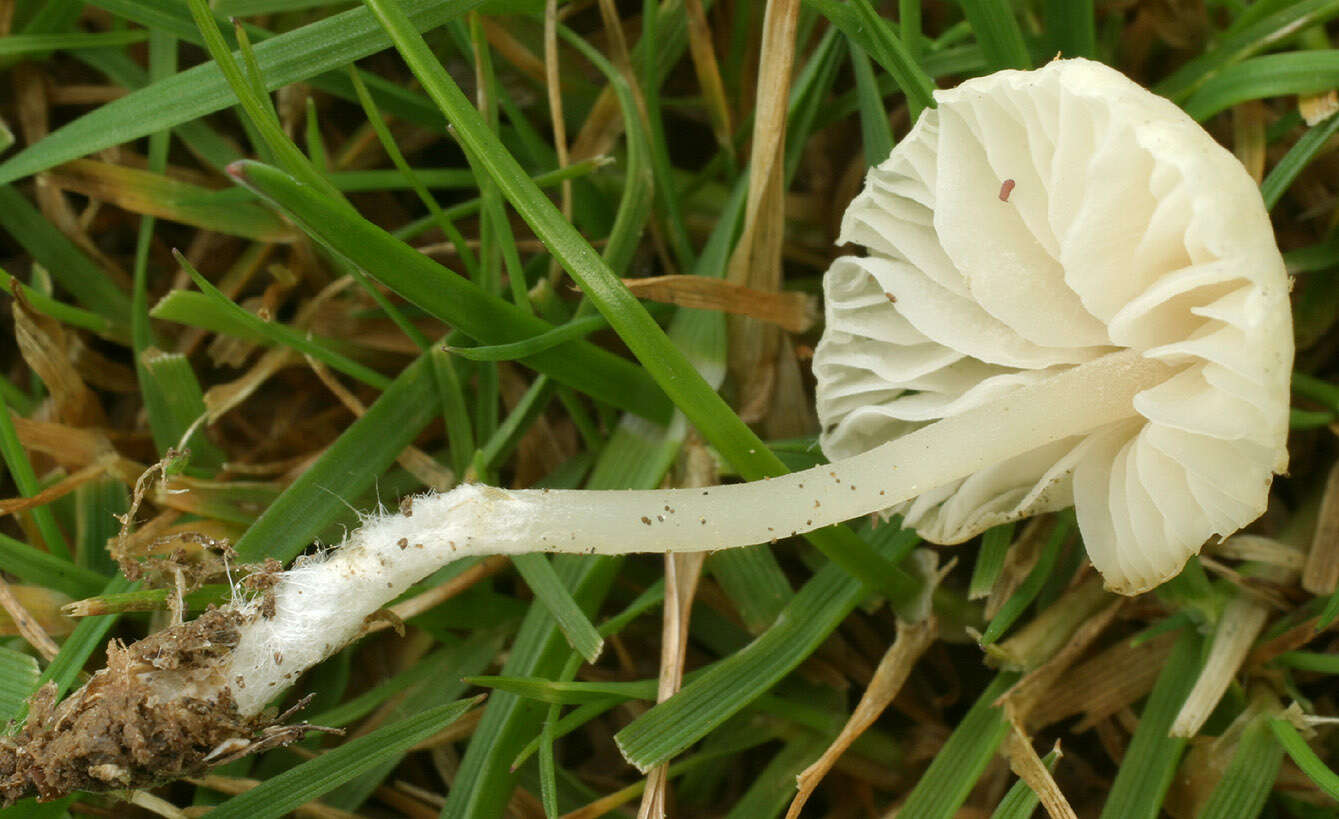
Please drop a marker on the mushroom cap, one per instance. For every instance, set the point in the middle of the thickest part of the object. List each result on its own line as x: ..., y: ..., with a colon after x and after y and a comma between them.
x: 1031, y: 222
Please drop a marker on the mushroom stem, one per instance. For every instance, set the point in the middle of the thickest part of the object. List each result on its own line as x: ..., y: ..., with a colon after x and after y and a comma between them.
x: 320, y: 606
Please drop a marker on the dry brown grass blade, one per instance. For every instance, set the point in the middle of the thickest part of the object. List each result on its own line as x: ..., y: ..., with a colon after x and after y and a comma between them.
x: 756, y: 261
x: 1239, y: 625
x: 415, y: 461
x: 1105, y: 684
x: 1038, y: 642
x: 1248, y: 137
x: 1018, y: 562
x: 149, y: 193
x: 1024, y: 762
x: 55, y: 491
x: 1316, y: 108
x: 794, y: 312
x: 1033, y: 690
x: 513, y: 50
x: 156, y: 804
x: 1321, y: 574
x: 912, y: 641
x: 553, y: 86
x: 34, y: 613
x: 69, y: 446
x: 703, y: 51
x: 221, y: 398
x: 45, y: 348
x: 682, y: 573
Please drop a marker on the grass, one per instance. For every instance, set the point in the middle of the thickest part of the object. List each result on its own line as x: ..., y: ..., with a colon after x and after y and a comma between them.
x: 380, y: 285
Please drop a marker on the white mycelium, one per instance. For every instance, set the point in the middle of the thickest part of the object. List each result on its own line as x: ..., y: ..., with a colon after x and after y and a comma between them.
x: 1072, y: 296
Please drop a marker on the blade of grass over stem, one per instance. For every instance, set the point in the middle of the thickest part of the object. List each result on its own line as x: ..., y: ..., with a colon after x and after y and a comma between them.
x: 1152, y: 756
x: 1270, y: 75
x: 1298, y: 157
x: 294, y: 56
x: 997, y: 31
x: 657, y: 354
x: 280, y: 794
x: 944, y: 786
x: 1313, y: 766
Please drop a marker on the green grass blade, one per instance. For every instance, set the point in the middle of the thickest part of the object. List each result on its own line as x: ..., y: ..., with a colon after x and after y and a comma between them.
x: 1152, y: 756
x: 990, y: 560
x: 68, y: 265
x: 280, y: 794
x: 1272, y: 75
x: 294, y: 56
x: 347, y: 468
x: 658, y: 355
x: 754, y: 582
x: 1249, y: 777
x: 65, y: 313
x: 1031, y: 586
x: 451, y: 298
x: 1313, y: 766
x: 1246, y: 42
x: 15, y: 459
x: 1071, y: 27
x: 549, y: 590
x: 1297, y: 158
x: 1021, y: 801
x: 26, y: 44
x: 953, y: 773
x: 876, y: 133
x: 728, y: 686
x: 997, y: 31
x: 184, y: 406
x: 35, y: 566
x: 863, y: 26
x: 256, y: 328
x: 18, y: 678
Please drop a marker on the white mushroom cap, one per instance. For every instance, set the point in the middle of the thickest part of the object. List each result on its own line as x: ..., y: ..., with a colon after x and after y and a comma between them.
x: 1040, y: 219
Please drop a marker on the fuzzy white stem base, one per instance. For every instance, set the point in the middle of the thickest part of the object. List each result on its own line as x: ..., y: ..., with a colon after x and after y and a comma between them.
x: 320, y: 606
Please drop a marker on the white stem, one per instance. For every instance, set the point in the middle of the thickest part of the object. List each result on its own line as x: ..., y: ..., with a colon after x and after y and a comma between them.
x: 321, y: 606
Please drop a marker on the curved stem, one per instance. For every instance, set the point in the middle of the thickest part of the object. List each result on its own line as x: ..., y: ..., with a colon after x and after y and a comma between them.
x: 321, y: 606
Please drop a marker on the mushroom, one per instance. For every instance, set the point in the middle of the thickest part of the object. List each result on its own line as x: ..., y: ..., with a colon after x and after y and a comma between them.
x: 1072, y: 295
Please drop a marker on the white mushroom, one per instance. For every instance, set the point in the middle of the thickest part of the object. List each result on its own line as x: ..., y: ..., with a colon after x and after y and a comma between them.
x: 1041, y: 221
x: 1072, y: 296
